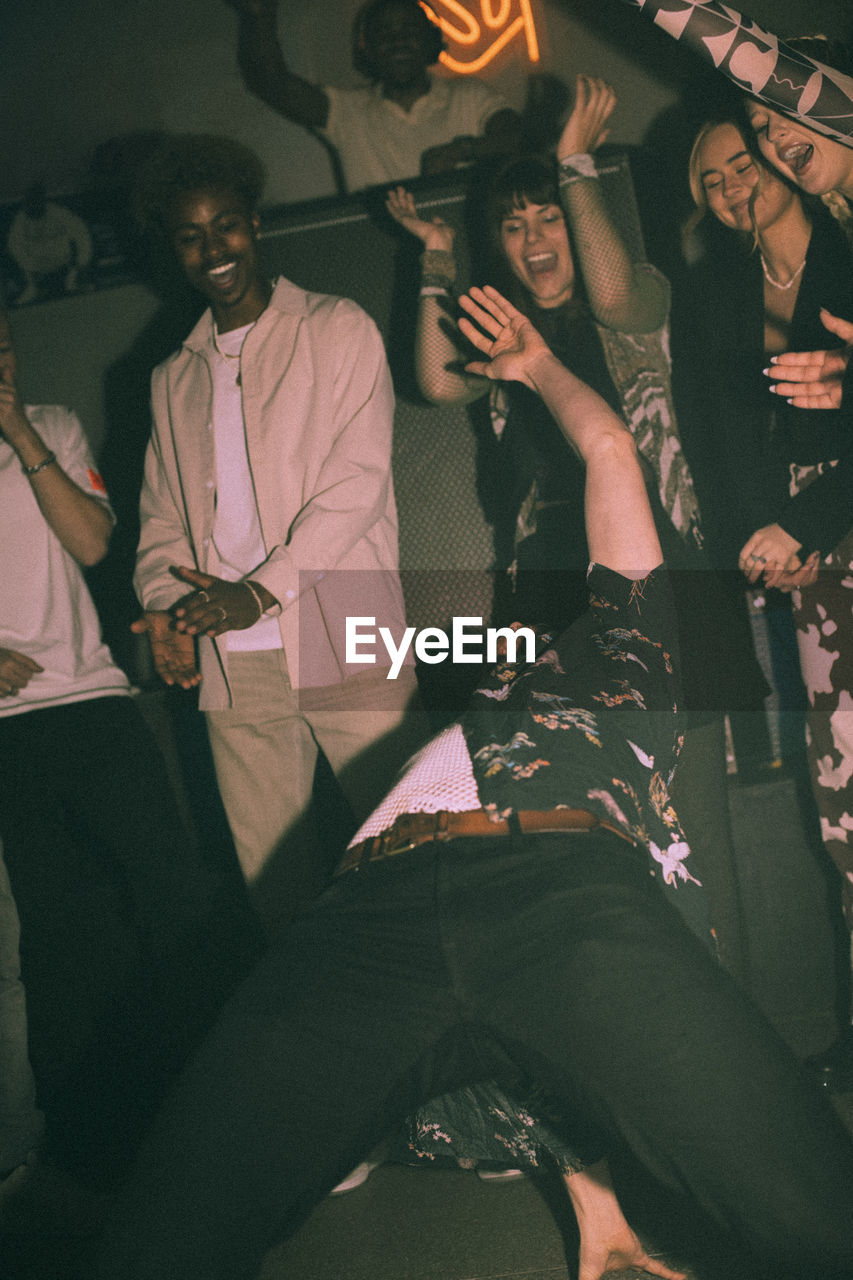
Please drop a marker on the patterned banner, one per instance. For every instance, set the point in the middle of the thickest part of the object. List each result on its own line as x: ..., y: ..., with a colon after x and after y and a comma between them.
x: 759, y: 63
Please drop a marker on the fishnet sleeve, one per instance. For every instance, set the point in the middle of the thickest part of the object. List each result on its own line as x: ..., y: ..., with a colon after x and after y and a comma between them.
x: 439, y: 354
x: 626, y: 295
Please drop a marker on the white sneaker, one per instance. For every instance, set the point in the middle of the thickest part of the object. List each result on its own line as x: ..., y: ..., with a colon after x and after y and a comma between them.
x: 360, y: 1174
x: 499, y: 1175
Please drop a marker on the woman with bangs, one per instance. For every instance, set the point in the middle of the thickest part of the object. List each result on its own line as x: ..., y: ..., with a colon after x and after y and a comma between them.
x: 557, y: 253
x: 772, y: 499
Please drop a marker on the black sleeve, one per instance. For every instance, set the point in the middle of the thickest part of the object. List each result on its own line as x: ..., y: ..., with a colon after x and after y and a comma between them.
x: 822, y: 514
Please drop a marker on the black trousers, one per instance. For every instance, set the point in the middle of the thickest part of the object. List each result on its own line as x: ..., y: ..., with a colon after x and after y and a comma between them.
x: 127, y: 946
x: 552, y: 956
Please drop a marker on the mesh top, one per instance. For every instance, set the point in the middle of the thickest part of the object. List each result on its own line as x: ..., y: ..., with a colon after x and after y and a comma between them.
x: 439, y: 777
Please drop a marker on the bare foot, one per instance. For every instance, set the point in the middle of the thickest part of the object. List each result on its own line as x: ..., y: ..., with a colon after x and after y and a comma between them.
x: 608, y: 1243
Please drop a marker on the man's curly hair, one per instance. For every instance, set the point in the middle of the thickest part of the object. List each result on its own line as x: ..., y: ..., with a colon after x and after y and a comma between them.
x: 191, y: 162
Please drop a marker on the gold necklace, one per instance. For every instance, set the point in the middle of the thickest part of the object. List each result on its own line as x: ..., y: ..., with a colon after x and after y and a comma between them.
x: 226, y: 355
x: 777, y: 284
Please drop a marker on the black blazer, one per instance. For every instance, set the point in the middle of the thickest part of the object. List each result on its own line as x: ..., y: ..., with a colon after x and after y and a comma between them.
x: 738, y: 436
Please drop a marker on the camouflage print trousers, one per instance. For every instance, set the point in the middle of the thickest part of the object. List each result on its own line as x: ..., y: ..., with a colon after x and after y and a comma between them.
x: 823, y: 616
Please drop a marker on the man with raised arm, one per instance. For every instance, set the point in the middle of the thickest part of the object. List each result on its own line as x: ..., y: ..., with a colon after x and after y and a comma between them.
x: 407, y: 122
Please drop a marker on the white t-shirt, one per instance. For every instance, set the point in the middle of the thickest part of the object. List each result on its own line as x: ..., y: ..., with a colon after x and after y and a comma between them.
x: 237, y: 533
x: 46, y: 611
x: 378, y: 141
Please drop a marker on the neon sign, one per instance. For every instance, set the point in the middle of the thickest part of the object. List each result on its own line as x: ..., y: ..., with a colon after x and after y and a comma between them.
x: 475, y: 42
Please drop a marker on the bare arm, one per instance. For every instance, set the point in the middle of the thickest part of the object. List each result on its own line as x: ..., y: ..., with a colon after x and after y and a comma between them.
x: 620, y: 529
x: 623, y: 294
x: 438, y: 356
x: 265, y: 71
x: 81, y: 523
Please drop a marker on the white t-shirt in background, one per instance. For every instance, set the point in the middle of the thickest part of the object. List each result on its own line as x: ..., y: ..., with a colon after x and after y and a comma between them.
x: 377, y: 141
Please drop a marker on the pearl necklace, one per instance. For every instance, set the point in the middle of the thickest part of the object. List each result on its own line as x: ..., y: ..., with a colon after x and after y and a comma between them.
x: 777, y: 284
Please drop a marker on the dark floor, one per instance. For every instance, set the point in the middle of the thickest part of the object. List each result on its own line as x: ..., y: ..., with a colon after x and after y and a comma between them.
x: 415, y: 1223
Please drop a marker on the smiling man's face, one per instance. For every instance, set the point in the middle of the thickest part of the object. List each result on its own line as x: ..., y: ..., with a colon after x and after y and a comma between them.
x: 214, y: 237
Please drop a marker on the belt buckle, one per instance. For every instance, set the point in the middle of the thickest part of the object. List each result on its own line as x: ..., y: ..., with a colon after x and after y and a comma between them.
x: 398, y: 838
x: 388, y: 847
x: 410, y: 830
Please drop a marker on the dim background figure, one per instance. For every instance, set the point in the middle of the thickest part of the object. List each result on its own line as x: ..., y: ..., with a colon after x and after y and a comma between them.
x: 51, y: 245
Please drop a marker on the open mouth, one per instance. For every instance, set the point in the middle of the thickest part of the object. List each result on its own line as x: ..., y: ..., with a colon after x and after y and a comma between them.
x: 541, y: 263
x: 798, y: 156
x: 224, y: 276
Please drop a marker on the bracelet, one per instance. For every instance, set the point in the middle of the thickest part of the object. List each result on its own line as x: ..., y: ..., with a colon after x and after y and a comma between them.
x: 258, y: 601
x: 434, y: 291
x: 438, y: 267
x: 581, y: 165
x: 40, y: 466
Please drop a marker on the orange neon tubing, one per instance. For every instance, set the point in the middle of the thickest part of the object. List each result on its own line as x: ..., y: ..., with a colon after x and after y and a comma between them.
x: 524, y: 22
x: 495, y: 20
x: 470, y: 32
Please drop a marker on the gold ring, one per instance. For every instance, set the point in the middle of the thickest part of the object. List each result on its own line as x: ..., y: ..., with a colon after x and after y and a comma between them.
x: 202, y: 595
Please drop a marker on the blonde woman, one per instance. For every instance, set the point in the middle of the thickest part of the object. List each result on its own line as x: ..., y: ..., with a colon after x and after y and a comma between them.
x: 783, y: 493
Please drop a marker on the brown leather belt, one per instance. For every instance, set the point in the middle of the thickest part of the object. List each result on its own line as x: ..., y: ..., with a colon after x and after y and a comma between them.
x: 412, y: 829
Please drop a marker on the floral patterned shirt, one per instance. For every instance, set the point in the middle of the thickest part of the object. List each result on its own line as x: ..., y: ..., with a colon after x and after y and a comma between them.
x: 594, y: 723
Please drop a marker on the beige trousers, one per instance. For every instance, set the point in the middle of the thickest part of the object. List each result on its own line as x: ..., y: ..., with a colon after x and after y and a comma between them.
x: 265, y: 749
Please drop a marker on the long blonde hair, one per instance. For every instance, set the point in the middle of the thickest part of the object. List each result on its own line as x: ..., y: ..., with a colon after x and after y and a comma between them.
x: 839, y: 206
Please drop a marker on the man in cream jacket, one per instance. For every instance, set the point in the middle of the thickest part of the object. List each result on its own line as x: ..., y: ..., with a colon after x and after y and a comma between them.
x: 267, y: 518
